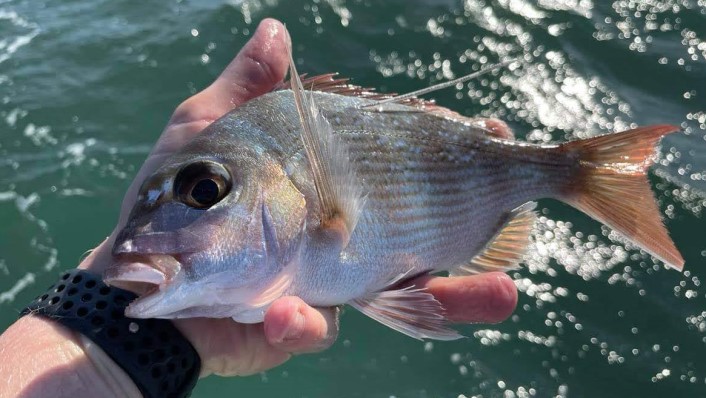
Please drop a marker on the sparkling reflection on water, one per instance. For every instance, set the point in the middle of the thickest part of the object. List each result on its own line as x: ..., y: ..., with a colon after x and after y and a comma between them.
x: 84, y: 90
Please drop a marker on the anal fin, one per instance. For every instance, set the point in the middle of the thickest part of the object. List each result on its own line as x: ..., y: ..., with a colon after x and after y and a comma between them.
x: 411, y: 311
x: 505, y: 251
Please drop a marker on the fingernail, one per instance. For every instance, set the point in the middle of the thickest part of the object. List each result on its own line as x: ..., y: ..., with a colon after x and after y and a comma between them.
x: 272, y: 28
x: 504, y: 300
x: 508, y: 287
x: 295, y: 329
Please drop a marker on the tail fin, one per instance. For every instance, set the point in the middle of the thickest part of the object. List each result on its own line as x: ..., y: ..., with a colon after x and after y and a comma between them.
x: 612, y: 187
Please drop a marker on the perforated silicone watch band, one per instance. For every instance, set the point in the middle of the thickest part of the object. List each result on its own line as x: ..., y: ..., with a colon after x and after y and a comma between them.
x: 160, y: 361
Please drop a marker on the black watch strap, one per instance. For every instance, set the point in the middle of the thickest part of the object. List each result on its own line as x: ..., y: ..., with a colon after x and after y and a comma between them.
x: 157, y: 357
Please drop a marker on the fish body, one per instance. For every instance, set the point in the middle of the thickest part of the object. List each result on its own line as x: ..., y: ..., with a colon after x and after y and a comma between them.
x: 254, y: 208
x: 436, y: 190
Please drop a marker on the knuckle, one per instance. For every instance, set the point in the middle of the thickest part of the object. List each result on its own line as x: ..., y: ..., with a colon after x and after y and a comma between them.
x: 260, y: 69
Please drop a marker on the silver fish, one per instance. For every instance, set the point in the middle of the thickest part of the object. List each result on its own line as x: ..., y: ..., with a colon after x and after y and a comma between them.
x: 327, y: 195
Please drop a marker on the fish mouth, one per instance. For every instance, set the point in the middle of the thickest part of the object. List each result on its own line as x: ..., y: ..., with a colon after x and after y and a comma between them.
x: 142, y: 274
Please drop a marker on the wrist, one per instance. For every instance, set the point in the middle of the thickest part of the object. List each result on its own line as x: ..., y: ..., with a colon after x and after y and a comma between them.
x: 151, y: 352
x: 43, y: 358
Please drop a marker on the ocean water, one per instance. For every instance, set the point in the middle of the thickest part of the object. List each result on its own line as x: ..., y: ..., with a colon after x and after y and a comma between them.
x: 86, y: 87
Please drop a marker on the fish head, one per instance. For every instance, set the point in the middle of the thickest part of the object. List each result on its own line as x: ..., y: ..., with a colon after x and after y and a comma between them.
x: 215, y: 236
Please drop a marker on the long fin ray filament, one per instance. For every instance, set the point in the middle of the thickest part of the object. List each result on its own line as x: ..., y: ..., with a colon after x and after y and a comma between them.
x: 339, y: 191
x: 440, y: 86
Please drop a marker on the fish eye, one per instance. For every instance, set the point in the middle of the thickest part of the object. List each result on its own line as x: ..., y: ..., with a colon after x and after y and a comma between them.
x: 202, y: 184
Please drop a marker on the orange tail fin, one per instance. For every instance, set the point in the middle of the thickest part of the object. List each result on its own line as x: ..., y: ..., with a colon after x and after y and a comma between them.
x: 612, y: 187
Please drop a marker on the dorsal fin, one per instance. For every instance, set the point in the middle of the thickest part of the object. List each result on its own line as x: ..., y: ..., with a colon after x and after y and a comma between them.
x: 340, y: 193
x: 330, y: 83
x: 505, y: 251
x: 440, y: 86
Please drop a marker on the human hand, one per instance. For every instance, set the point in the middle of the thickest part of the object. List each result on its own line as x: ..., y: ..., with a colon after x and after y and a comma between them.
x: 290, y: 325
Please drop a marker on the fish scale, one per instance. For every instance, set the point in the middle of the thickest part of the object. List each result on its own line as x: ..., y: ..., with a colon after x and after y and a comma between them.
x: 337, y: 204
x: 442, y: 191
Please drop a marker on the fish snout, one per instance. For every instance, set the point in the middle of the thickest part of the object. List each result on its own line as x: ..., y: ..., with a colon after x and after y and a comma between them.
x: 146, y: 239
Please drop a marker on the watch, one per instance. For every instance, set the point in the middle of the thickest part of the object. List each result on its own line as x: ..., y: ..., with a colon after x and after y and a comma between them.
x: 154, y: 354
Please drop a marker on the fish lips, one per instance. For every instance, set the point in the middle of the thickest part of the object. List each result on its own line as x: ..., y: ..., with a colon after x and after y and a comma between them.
x: 144, y: 255
x: 150, y: 276
x: 145, y: 261
x: 151, y: 265
x: 142, y: 273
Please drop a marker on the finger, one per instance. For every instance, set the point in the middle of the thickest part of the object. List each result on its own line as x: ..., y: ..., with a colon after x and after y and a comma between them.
x: 227, y: 348
x: 293, y: 326
x: 485, y: 298
x: 258, y: 67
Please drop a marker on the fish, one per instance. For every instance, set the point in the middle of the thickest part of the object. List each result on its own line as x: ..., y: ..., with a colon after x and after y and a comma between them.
x: 338, y: 195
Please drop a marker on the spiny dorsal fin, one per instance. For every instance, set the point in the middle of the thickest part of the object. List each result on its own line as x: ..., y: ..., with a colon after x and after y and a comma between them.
x: 339, y: 191
x: 329, y: 83
x: 411, y: 311
x: 505, y: 251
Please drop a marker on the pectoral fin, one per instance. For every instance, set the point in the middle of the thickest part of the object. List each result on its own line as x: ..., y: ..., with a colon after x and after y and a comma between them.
x: 413, y: 312
x: 339, y: 191
x: 506, y: 249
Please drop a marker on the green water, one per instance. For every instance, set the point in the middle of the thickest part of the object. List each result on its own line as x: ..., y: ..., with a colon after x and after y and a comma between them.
x: 86, y: 86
